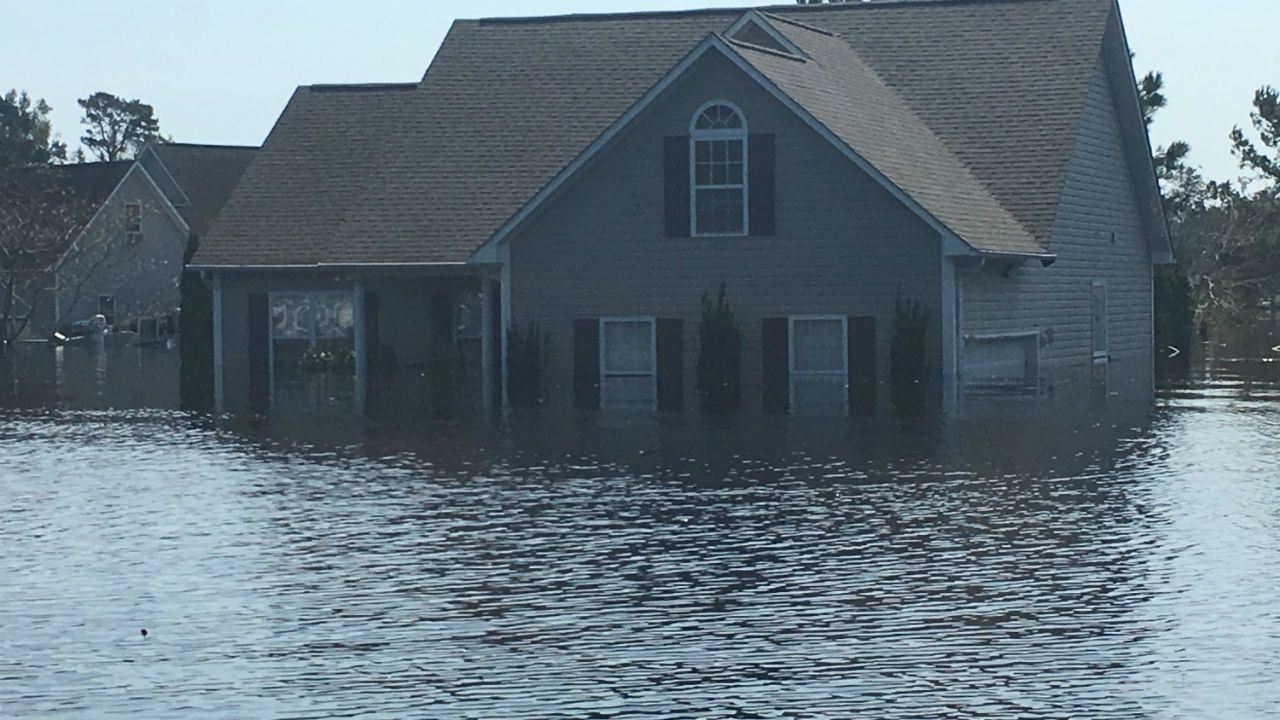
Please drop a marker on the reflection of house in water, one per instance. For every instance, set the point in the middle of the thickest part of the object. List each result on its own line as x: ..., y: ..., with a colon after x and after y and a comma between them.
x: 808, y: 158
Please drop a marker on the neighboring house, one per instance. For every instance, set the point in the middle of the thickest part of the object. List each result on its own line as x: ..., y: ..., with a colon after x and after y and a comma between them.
x: 597, y: 174
x: 127, y: 262
x: 42, y: 209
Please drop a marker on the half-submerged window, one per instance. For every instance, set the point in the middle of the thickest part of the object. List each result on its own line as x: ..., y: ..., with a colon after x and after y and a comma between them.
x: 819, y: 364
x: 312, y: 335
x: 718, y: 140
x: 628, y: 363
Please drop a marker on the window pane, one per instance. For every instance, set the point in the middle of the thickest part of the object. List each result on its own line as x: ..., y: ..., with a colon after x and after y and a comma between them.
x: 819, y: 393
x: 628, y: 347
x: 719, y: 211
x: 718, y: 117
x: 818, y: 346
x: 628, y: 392
x: 718, y: 162
x: 291, y: 316
x: 335, y: 316
x: 733, y: 174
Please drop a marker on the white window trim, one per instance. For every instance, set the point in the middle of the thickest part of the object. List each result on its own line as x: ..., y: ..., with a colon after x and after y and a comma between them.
x: 133, y: 236
x: 792, y: 372
x: 695, y: 136
x: 653, y: 360
x: 1104, y: 354
x: 133, y: 204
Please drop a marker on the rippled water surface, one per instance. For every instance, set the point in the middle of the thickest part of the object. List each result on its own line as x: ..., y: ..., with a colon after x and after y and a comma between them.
x: 1123, y: 564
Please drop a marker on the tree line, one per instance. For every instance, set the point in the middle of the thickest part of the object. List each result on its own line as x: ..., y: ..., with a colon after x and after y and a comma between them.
x: 115, y: 129
x: 1225, y: 231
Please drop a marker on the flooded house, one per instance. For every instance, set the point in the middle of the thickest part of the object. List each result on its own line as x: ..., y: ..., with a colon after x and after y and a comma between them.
x: 126, y: 227
x: 588, y: 179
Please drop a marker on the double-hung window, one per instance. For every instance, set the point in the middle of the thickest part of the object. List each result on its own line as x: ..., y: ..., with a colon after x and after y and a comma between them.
x: 628, y: 363
x: 133, y: 222
x: 820, y: 363
x: 718, y: 169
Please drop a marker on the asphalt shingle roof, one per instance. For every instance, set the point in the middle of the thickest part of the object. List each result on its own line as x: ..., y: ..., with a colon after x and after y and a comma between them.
x: 970, y: 106
x: 207, y: 175
x: 308, y: 175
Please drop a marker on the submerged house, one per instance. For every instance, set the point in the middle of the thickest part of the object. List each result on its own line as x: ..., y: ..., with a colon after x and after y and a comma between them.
x: 595, y: 175
x: 134, y: 246
x: 122, y: 231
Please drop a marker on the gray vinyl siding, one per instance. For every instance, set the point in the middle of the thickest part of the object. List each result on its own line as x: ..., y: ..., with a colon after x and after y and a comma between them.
x: 844, y: 245
x: 1099, y: 199
x: 143, y: 277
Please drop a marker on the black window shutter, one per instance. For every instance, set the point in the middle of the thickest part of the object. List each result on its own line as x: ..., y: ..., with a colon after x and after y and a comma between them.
x: 586, y: 364
x: 670, y: 334
x: 775, y: 364
x: 374, y: 369
x: 760, y: 158
x: 862, y: 366
x: 441, y: 315
x: 259, y: 353
x: 675, y: 171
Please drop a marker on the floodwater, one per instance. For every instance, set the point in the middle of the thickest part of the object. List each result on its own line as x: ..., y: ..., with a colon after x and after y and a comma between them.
x: 1118, y: 562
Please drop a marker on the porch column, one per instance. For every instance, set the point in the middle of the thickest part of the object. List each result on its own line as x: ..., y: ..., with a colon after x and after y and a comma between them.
x: 505, y: 320
x: 951, y: 336
x: 362, y: 358
x: 219, y: 404
x: 487, y: 301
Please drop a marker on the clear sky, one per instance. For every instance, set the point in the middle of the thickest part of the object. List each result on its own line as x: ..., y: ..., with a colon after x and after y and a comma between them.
x: 220, y: 72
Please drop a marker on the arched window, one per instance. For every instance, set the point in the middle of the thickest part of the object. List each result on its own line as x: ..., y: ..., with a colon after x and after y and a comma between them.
x: 718, y: 170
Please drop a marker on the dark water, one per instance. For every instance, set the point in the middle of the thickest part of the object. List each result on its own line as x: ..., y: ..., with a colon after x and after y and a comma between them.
x: 1121, y: 560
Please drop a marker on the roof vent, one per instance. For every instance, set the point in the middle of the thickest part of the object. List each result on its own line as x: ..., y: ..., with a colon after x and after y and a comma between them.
x: 755, y: 29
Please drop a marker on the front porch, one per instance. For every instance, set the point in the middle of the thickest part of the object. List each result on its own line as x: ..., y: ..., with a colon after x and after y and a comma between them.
x: 404, y: 342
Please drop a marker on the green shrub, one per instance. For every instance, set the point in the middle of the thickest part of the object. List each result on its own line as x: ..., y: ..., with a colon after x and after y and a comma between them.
x: 719, y: 356
x: 908, y: 359
x: 526, y: 356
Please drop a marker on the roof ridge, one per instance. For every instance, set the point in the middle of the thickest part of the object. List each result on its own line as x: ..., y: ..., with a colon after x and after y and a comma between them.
x: 67, y: 166
x: 360, y: 87
x: 210, y: 146
x: 770, y: 10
